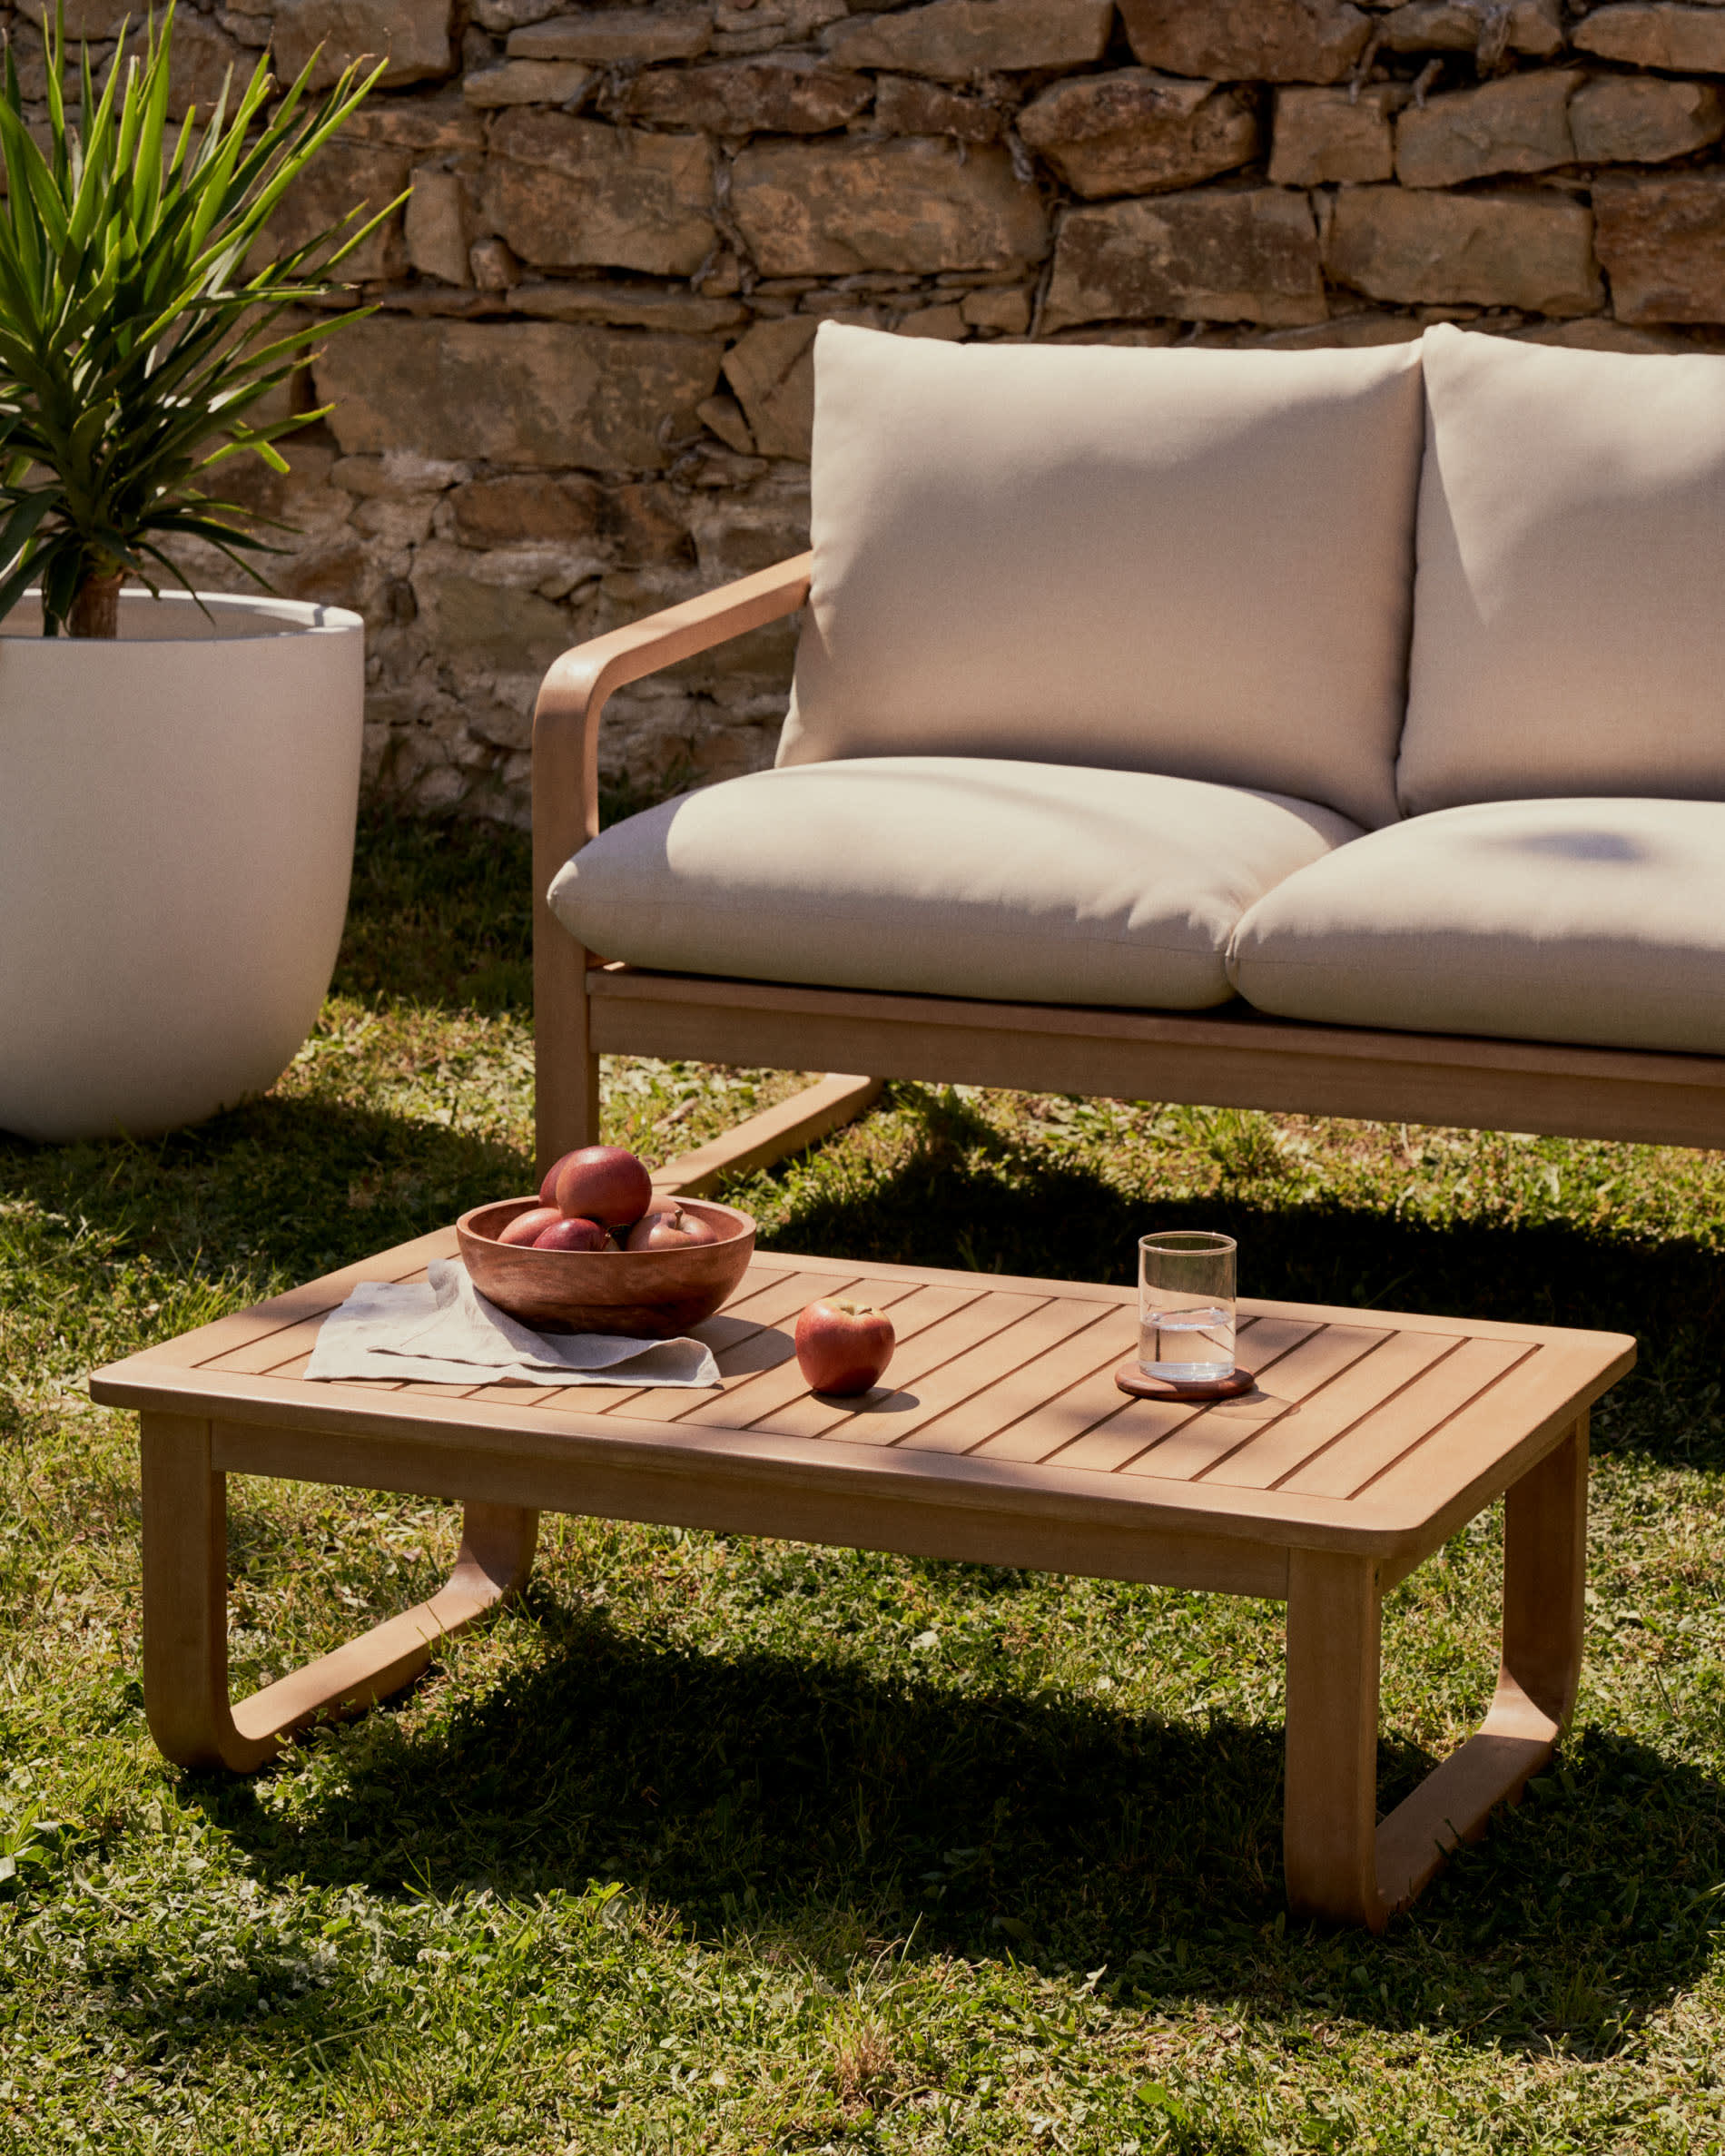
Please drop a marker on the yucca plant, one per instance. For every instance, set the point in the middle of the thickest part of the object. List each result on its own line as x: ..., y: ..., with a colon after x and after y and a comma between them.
x: 138, y: 327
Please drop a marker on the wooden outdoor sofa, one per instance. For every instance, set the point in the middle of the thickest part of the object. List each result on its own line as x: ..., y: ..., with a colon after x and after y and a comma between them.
x: 1563, y: 514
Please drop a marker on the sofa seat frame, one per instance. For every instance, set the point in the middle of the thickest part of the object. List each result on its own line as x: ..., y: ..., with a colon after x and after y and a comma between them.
x: 1234, y: 1057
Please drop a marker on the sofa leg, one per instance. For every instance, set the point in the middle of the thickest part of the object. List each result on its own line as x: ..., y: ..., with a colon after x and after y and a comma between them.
x: 566, y: 1066
x: 773, y: 1135
x: 566, y: 1105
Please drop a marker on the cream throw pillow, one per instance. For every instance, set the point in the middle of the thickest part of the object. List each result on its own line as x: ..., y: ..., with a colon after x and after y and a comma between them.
x: 1569, y: 619
x: 1194, y: 562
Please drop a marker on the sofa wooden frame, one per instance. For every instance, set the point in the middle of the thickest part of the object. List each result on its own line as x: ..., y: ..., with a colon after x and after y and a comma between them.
x: 1233, y: 1058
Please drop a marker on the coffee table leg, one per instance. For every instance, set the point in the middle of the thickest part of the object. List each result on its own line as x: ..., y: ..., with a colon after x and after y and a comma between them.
x: 1338, y: 1866
x: 1330, y: 1808
x: 185, y: 1612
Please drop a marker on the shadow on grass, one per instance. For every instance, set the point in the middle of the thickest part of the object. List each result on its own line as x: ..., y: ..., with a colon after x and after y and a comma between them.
x: 967, y: 1197
x: 273, y: 1188
x: 441, y: 911
x: 807, y: 1802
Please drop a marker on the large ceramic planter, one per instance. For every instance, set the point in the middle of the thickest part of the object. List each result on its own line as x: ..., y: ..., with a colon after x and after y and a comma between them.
x: 176, y: 836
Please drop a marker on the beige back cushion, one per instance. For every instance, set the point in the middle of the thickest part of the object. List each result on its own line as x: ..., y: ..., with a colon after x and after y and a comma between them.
x: 1192, y: 562
x: 1569, y: 619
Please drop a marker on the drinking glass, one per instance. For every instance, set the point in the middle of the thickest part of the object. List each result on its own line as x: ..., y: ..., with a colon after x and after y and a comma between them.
x: 1186, y: 1306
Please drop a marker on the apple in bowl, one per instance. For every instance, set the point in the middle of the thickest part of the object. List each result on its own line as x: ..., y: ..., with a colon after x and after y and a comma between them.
x: 569, y: 1233
x: 653, y: 1293
x: 673, y: 1227
x: 602, y: 1183
x: 527, y: 1227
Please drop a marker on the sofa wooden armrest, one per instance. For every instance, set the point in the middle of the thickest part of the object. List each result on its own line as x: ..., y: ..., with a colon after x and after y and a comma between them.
x: 566, y: 814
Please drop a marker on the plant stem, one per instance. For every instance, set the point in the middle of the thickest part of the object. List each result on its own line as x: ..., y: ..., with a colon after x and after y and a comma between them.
x: 95, y: 610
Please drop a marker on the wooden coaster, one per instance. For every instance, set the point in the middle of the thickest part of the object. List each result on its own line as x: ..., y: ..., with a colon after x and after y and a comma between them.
x: 1132, y: 1379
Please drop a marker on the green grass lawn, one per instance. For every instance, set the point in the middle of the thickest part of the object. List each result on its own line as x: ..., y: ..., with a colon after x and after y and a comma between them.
x: 735, y: 1845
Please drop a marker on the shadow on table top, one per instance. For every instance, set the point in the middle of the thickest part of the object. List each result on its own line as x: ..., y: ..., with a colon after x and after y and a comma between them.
x: 966, y: 1195
x: 818, y: 1804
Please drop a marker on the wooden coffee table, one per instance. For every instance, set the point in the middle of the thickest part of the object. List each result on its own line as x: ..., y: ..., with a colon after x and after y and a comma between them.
x: 1002, y: 1440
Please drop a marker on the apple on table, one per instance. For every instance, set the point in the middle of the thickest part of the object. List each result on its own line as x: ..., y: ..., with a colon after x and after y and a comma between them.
x: 842, y: 1346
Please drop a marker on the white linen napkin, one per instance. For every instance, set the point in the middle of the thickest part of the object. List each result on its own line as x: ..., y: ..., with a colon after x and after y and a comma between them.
x: 443, y: 1331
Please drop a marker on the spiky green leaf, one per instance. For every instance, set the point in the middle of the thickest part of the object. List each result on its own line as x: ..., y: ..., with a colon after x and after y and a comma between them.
x: 140, y: 309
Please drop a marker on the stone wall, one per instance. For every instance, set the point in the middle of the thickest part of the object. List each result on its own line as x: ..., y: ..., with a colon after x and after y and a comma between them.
x: 587, y: 390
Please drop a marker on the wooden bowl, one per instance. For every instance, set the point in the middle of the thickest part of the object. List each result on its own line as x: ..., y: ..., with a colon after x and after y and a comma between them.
x: 646, y: 1295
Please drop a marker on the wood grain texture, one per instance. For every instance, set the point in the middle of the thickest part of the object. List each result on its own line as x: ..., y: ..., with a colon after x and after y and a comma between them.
x: 1005, y: 1378
x: 1545, y: 1581
x: 1379, y: 1377
x: 1235, y: 1058
x: 1010, y: 1418
x: 790, y: 1126
x: 185, y: 1612
x: 209, y: 1344
x: 1329, y: 1814
x: 1339, y: 1866
x: 1000, y: 1439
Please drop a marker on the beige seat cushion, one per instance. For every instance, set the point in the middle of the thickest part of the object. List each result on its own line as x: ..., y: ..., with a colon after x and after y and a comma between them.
x: 1601, y: 922
x: 1569, y: 619
x: 1195, y: 562
x: 945, y: 876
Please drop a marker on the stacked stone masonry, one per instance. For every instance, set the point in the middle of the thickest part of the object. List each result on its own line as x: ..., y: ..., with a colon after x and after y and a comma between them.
x: 587, y: 389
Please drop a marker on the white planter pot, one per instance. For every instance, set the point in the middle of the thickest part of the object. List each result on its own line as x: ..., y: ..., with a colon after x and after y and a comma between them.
x: 176, y: 836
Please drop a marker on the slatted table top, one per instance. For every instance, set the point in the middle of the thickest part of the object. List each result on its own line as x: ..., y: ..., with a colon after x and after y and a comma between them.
x: 1368, y: 1430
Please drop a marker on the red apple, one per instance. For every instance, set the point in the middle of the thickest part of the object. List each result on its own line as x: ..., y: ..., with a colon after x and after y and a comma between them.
x: 843, y: 1346
x: 602, y: 1183
x: 529, y: 1226
x: 671, y: 1229
x: 567, y: 1233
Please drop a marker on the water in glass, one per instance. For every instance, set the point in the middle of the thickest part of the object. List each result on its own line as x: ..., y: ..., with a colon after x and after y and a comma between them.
x: 1190, y: 1344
